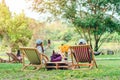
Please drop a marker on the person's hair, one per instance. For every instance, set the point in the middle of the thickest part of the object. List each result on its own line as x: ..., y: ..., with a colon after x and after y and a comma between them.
x: 41, y: 46
x: 18, y: 52
x: 80, y: 43
x: 49, y: 42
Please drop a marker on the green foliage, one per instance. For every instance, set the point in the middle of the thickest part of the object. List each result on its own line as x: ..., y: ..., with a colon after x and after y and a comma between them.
x: 114, y: 38
x: 18, y: 31
x: 4, y: 17
x: 14, y: 29
x: 4, y: 12
x: 96, y: 25
x: 58, y: 31
x: 69, y: 11
x: 20, y: 25
x: 66, y: 35
x: 90, y: 17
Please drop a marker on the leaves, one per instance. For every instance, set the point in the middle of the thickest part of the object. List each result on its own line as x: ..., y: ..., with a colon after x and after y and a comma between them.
x: 64, y: 48
x: 14, y: 29
x: 89, y: 15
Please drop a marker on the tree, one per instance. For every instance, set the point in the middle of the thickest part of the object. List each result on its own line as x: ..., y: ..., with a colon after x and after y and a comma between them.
x: 4, y: 18
x: 14, y: 29
x: 91, y: 18
x: 18, y: 32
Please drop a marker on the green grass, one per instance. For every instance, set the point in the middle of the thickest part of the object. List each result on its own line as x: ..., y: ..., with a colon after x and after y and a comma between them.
x: 108, y: 57
x: 107, y: 70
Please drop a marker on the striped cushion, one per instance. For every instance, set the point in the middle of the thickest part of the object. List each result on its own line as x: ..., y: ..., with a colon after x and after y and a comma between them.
x: 82, y: 53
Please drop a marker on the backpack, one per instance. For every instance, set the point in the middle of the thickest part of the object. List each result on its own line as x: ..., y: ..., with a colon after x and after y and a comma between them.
x: 55, y: 57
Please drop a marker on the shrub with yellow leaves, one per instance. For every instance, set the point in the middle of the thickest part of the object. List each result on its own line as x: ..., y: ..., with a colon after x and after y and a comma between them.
x: 64, y: 48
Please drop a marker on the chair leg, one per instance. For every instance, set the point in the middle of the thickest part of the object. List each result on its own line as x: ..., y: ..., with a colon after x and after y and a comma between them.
x: 72, y: 67
x: 24, y: 67
x: 37, y: 67
x: 91, y: 66
x: 95, y: 64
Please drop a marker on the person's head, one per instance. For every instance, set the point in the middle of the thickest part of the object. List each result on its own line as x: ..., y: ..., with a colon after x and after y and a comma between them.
x: 82, y: 41
x: 38, y: 42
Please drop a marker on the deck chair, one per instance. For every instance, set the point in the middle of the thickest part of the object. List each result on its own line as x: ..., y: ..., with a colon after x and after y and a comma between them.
x: 82, y: 55
x: 2, y: 60
x: 34, y: 57
x: 14, y: 58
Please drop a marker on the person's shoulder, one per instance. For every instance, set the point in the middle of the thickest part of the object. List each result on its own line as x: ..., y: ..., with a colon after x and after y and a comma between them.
x: 38, y: 46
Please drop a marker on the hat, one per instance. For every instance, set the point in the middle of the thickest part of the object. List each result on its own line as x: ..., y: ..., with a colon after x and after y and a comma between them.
x: 83, y: 41
x: 38, y: 41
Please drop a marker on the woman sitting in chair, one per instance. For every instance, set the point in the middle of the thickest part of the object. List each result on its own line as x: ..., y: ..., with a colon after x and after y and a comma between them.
x: 41, y: 49
x: 19, y: 55
x: 39, y: 46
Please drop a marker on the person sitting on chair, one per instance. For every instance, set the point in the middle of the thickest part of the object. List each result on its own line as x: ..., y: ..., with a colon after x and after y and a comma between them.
x: 18, y: 55
x: 41, y: 49
x: 39, y: 46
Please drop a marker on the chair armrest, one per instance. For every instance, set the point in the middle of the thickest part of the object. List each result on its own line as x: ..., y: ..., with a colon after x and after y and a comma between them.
x: 45, y: 58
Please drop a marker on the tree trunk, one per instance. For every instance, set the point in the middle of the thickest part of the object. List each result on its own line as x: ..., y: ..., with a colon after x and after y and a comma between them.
x: 96, y: 45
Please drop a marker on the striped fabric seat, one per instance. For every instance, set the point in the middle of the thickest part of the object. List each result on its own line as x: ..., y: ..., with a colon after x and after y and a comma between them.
x: 83, y: 54
x: 35, y: 58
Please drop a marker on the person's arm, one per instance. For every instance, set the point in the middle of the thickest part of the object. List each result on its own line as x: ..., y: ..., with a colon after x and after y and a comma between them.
x: 48, y: 45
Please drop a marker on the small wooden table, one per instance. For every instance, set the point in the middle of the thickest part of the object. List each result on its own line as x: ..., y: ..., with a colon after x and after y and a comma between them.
x: 56, y: 65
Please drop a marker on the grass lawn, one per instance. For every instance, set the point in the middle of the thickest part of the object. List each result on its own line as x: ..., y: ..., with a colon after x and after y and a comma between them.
x: 107, y: 70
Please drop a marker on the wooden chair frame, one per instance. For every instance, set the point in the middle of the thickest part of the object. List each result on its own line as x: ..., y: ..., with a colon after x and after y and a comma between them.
x: 3, y: 60
x: 13, y: 57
